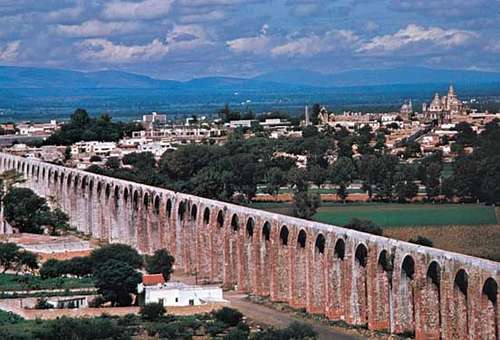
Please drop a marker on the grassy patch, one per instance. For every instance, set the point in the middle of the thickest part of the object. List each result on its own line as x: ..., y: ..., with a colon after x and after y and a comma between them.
x: 481, y: 241
x: 12, y: 282
x: 396, y: 215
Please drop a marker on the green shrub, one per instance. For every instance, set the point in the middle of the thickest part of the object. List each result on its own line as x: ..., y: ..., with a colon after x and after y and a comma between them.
x: 228, y: 316
x: 152, y: 311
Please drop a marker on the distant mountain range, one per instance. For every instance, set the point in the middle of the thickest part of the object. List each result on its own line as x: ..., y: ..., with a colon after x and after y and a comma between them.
x: 30, y: 77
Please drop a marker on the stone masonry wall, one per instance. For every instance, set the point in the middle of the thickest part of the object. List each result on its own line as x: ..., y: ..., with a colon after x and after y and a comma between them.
x: 362, y: 279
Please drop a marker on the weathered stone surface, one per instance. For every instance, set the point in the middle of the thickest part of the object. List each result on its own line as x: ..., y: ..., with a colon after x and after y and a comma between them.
x: 363, y: 279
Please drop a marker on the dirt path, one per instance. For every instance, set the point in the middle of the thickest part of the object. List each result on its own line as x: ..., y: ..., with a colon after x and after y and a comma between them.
x: 268, y: 316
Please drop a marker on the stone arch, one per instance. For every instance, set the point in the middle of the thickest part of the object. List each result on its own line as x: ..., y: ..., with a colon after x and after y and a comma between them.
x: 339, y: 250
x: 135, y: 200
x: 431, y: 302
x: 282, y: 270
x: 263, y: 279
x: 266, y: 231
x: 157, y: 205
x: 302, y: 239
x: 107, y: 192
x: 84, y: 183
x: 359, y: 285
x: 284, y: 236
x: 181, y: 210
x: 319, y: 245
x: 235, y: 223
x: 383, y: 292
x: 77, y: 183
x: 168, y: 208
x: 250, y: 227
x: 43, y: 173
x: 220, y: 219
x: 145, y: 201
x: 194, y: 213
x: 299, y: 296
x: 489, y: 310
x: 206, y: 216
x: 459, y: 305
x: 406, y: 295
x: 68, y: 179
x: 117, y: 194
x: 125, y: 195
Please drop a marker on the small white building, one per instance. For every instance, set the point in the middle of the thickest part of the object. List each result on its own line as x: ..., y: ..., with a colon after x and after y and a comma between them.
x: 155, y: 290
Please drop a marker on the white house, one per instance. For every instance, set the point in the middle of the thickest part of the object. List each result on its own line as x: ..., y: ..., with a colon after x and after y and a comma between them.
x: 155, y: 290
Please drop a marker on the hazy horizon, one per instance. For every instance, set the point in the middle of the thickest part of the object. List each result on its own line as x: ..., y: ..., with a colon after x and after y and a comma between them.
x: 186, y: 39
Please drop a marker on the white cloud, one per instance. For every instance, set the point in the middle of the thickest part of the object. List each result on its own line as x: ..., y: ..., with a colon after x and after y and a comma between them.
x: 187, y: 37
x: 147, y: 9
x: 103, y: 50
x: 96, y: 28
x: 202, y: 17
x: 316, y: 44
x: 63, y: 14
x: 259, y: 44
x: 493, y: 46
x: 10, y: 51
x: 417, y: 35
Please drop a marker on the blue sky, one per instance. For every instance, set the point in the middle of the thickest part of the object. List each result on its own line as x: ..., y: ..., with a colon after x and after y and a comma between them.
x: 182, y: 39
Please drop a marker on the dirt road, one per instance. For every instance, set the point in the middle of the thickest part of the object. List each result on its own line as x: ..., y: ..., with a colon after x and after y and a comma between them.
x: 268, y: 316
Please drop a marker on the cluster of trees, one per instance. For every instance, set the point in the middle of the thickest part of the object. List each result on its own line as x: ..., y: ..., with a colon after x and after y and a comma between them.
x: 476, y: 177
x: 28, y: 212
x: 114, y: 269
x: 82, y: 127
x: 12, y: 257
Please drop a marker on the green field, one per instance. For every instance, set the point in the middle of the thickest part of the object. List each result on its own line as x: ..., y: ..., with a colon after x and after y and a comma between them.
x: 396, y: 215
x: 11, y: 282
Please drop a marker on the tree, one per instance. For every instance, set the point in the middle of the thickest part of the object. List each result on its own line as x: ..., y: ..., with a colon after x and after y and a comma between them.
x: 274, y: 179
x: 9, y: 253
x: 421, y: 240
x: 465, y: 136
x: 229, y: 316
x: 152, y: 311
x: 365, y: 226
x: 51, y: 268
x: 316, y: 109
x: 405, y: 187
x: 115, y: 281
x: 27, y: 260
x: 317, y: 175
x: 113, y: 163
x: 432, y: 181
x: 25, y: 210
x: 118, y: 252
x: 309, y: 131
x: 160, y: 262
x: 305, y: 204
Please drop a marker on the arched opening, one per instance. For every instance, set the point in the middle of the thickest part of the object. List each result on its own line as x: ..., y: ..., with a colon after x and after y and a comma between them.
x: 181, y: 211
x: 77, y: 183
x: 84, y: 182
x: 56, y: 177
x: 125, y: 195
x: 431, y: 312
x: 145, y: 200
x: 157, y: 205
x: 220, y: 219
x: 206, y: 216
x: 168, y: 208
x: 320, y: 244
x: 301, y: 239
x: 99, y: 189
x: 108, y: 191
x: 489, y: 308
x: 68, y: 180
x: 235, y: 224
x: 284, y: 235
x: 360, y: 305
x: 117, y: 194
x: 194, y: 212
x: 135, y: 200
x: 266, y: 231
x: 250, y: 226
x: 459, y: 304
x: 407, y: 295
x: 339, y: 251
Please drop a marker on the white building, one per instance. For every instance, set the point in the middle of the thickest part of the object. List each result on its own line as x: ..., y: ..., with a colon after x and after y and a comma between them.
x: 155, y: 290
x: 93, y: 147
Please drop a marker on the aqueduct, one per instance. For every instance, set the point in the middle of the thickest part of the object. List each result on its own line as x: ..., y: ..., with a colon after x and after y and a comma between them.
x: 360, y: 278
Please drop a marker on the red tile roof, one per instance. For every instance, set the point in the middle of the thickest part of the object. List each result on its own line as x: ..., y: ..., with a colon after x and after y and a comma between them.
x: 152, y: 279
